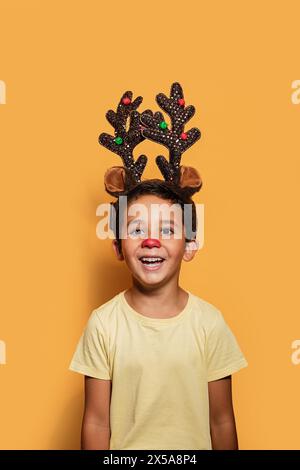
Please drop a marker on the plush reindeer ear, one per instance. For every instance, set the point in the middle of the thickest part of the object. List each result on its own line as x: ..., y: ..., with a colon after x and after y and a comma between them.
x: 114, y: 180
x: 190, y: 177
x: 118, y: 180
x: 189, y: 180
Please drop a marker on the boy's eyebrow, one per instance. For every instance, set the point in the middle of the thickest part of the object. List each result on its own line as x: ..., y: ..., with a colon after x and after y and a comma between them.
x: 162, y: 221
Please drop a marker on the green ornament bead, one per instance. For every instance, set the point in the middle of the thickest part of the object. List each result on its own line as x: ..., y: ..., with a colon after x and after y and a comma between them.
x: 118, y: 140
x: 163, y: 125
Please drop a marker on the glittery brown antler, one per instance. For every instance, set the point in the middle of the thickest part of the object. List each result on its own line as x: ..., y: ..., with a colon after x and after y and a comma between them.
x: 118, y: 179
x: 176, y: 140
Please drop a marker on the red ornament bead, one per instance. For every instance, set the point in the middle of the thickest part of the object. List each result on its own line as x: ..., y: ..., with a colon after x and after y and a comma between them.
x: 126, y: 100
x: 183, y: 136
x: 181, y: 102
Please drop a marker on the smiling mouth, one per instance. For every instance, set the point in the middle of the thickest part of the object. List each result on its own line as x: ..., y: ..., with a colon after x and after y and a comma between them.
x: 151, y: 261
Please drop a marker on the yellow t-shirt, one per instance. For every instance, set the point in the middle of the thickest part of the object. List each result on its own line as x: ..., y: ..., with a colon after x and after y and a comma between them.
x: 159, y: 368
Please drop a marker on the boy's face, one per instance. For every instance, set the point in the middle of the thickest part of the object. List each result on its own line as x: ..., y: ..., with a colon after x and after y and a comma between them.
x: 150, y: 217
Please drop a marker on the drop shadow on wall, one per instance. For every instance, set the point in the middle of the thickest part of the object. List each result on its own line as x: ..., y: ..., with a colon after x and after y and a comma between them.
x: 107, y: 278
x: 67, y: 434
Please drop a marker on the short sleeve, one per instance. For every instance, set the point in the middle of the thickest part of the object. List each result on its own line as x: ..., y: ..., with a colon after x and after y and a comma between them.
x: 223, y: 354
x: 91, y: 354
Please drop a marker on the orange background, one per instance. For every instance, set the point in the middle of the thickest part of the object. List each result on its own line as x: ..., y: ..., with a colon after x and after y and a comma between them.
x: 65, y: 64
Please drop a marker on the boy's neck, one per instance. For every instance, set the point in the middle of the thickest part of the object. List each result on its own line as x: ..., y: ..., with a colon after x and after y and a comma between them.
x: 162, y: 302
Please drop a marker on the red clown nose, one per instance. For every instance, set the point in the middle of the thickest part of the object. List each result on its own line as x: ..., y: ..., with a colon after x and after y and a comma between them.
x: 151, y: 242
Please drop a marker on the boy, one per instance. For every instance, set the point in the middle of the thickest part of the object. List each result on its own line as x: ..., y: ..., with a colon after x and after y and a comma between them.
x: 157, y: 359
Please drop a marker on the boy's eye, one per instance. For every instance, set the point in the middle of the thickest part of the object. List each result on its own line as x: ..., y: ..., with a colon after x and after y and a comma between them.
x: 135, y: 231
x: 170, y: 230
x: 138, y: 231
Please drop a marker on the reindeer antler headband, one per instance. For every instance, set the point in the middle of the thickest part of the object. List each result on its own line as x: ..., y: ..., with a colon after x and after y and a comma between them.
x: 119, y: 180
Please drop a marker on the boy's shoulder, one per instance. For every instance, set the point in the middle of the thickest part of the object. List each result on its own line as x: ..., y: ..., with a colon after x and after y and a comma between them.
x: 106, y: 306
x: 105, y: 312
x: 206, y: 312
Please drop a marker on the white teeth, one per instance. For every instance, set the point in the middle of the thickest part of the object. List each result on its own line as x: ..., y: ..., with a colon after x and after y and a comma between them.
x: 151, y: 259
